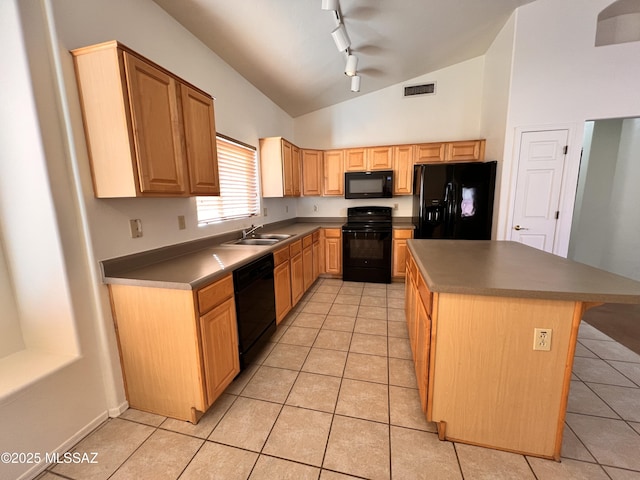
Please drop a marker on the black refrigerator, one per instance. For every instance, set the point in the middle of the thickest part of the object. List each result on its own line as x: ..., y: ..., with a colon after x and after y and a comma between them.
x: 454, y: 200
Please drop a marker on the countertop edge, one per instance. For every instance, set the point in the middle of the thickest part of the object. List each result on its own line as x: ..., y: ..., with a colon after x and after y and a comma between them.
x: 563, y: 295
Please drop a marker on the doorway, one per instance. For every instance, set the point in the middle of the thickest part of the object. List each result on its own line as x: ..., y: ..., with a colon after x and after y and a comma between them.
x: 541, y: 163
x: 606, y: 221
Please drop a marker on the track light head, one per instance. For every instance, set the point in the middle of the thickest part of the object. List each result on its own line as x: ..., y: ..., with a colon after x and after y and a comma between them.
x: 341, y: 38
x: 330, y: 5
x: 355, y: 83
x: 352, y: 65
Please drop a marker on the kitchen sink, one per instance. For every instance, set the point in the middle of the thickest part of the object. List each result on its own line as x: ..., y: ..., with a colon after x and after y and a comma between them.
x: 278, y: 236
x: 254, y: 241
x: 260, y: 239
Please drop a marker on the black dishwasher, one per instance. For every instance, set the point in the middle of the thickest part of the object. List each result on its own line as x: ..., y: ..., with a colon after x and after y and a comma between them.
x: 255, y: 306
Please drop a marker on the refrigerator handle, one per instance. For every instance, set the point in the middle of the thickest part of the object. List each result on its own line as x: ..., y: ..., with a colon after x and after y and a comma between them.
x: 449, y: 201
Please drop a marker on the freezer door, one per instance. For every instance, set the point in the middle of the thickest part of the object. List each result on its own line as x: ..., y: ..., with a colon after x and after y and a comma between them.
x: 473, y: 190
x: 430, y: 210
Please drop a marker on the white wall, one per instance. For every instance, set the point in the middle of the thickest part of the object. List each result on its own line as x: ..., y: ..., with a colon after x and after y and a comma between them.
x: 495, y: 101
x: 560, y: 79
x: 10, y: 331
x: 53, y: 390
x: 385, y: 117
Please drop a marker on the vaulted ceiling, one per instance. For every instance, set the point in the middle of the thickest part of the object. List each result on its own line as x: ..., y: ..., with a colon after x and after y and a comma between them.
x: 285, y: 49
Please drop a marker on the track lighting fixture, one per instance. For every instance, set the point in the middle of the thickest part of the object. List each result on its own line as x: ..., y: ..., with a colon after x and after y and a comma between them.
x: 355, y: 83
x: 352, y: 65
x: 343, y: 43
x: 341, y: 38
x: 330, y: 5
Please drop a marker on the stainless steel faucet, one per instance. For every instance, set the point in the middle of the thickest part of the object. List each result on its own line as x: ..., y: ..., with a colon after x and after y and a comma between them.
x: 249, y: 231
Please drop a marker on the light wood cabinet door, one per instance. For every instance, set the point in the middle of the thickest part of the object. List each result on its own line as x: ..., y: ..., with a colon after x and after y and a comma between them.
x: 200, y: 136
x: 379, y: 158
x: 218, y: 329
x: 156, y: 122
x: 333, y: 179
x: 282, y: 287
x: 430, y: 152
x: 295, y: 170
x: 423, y: 348
x: 355, y: 160
x: 311, y: 164
x: 465, y: 151
x: 333, y: 251
x: 307, y: 266
x: 287, y: 168
x: 399, y: 251
x: 316, y: 260
x: 403, y: 169
x: 297, y: 279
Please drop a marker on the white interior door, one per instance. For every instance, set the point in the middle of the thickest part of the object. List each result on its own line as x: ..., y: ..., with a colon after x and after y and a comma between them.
x: 540, y: 167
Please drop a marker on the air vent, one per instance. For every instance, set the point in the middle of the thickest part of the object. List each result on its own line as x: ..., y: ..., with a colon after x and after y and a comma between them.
x: 424, y: 89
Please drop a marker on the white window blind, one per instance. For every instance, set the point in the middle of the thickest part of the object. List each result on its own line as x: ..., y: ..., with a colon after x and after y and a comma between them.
x: 238, y: 171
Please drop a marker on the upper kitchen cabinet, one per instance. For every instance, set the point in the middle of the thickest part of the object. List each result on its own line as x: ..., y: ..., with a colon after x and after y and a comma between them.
x: 279, y: 168
x: 367, y: 159
x: 466, y: 151
x: 200, y: 135
x: 311, y: 163
x: 333, y: 178
x: 403, y: 156
x: 149, y: 133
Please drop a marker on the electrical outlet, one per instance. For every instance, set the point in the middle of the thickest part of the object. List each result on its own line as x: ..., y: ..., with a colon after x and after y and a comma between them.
x: 542, y: 339
x: 395, y: 206
x: 315, y: 208
x: 286, y: 209
x: 181, y: 223
x: 135, y: 226
x: 264, y: 212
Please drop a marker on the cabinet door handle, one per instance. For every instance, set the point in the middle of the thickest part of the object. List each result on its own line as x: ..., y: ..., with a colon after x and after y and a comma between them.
x: 518, y: 227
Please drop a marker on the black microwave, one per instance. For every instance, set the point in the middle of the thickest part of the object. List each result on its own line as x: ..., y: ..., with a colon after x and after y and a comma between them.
x: 377, y: 184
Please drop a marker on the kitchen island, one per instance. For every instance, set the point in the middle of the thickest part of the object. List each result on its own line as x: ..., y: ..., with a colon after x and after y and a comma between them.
x: 473, y: 308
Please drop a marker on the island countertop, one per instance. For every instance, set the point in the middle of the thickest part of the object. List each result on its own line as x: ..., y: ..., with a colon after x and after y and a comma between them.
x: 511, y: 269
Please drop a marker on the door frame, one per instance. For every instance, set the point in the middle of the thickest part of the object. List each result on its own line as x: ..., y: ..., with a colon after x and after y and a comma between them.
x: 568, y: 185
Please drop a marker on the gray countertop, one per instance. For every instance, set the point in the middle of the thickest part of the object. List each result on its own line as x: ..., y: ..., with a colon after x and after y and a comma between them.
x: 511, y: 269
x: 194, y: 269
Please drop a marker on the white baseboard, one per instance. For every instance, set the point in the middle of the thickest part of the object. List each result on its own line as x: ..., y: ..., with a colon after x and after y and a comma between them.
x: 119, y: 410
x: 66, y: 446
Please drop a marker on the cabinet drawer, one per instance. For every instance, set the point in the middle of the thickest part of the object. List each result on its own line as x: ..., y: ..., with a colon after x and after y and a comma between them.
x: 307, y: 241
x: 214, y: 294
x: 332, y: 232
x: 402, y: 233
x: 295, y: 248
x: 425, y: 294
x: 280, y: 256
x: 316, y: 236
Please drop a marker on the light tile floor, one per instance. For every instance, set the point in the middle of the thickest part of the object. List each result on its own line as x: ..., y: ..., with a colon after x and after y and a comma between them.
x: 334, y: 397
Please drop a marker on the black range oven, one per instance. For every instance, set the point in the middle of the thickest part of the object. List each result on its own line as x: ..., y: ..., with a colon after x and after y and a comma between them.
x: 366, y: 245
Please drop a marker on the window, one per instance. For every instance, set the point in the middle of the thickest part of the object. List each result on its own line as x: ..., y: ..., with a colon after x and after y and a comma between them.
x: 238, y: 170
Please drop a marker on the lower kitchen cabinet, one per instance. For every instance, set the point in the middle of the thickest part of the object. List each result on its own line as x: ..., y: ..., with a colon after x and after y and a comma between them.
x: 219, y: 348
x: 418, y: 302
x: 332, y: 251
x: 178, y: 348
x: 282, y: 283
x: 307, y: 261
x: 399, y: 251
x: 297, y: 271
